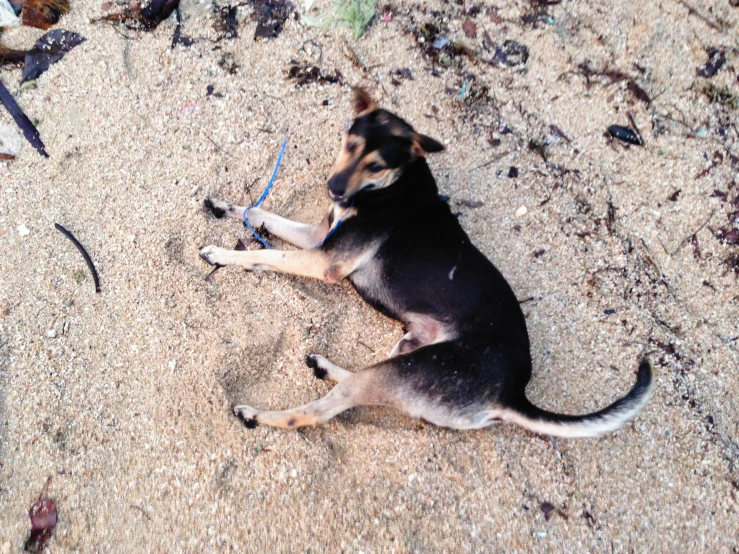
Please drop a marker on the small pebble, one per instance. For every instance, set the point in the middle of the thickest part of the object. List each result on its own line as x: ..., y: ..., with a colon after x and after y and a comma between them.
x: 23, y: 230
x: 522, y: 211
x: 51, y: 333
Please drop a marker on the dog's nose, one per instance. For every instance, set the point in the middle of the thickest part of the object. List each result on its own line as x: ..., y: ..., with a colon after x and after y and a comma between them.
x: 335, y: 188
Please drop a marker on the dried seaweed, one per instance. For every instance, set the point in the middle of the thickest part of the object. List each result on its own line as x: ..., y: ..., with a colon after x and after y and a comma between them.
x: 227, y: 25
x: 48, y: 50
x: 84, y: 253
x: 305, y: 74
x: 716, y: 60
x: 270, y: 16
x: 145, y: 18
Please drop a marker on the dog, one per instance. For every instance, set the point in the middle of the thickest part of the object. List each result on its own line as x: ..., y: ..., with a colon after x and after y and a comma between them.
x: 465, y: 360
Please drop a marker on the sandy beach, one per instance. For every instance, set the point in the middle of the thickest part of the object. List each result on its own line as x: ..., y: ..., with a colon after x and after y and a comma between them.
x: 124, y: 397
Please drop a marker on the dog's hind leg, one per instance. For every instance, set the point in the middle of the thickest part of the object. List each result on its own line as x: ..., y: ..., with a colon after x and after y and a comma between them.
x: 301, y: 235
x: 356, y: 389
x: 324, y: 369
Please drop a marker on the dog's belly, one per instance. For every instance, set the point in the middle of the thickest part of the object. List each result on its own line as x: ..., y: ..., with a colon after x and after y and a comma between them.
x: 370, y: 282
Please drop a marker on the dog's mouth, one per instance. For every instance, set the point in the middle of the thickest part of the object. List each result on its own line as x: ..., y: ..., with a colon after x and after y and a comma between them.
x: 334, y: 197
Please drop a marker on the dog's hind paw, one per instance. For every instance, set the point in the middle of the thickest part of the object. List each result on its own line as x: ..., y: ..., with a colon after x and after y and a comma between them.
x: 212, y: 205
x: 247, y: 415
x: 313, y: 361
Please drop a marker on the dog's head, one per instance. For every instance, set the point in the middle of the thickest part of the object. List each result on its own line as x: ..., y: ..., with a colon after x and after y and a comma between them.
x: 374, y: 150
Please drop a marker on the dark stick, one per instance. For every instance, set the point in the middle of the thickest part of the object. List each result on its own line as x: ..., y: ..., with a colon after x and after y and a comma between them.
x: 21, y: 119
x: 84, y: 253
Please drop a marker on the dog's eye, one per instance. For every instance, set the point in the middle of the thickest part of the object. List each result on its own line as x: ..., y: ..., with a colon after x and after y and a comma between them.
x: 374, y: 167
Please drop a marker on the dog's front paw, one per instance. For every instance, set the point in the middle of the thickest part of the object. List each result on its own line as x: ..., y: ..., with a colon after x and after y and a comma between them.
x: 215, y: 255
x: 247, y: 415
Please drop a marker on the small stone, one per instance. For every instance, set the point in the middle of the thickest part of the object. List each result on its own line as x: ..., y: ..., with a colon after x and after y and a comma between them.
x: 172, y: 364
x: 195, y: 190
x: 522, y: 211
x: 69, y: 303
x: 51, y: 333
x: 23, y: 230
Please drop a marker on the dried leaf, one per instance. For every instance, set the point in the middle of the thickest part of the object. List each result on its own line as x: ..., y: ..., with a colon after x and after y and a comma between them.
x: 48, y: 50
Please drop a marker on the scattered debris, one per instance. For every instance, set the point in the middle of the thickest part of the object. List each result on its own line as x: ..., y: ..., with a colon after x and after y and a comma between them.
x: 613, y: 76
x: 8, y: 55
x: 470, y: 28
x: 696, y: 247
x: 43, y: 14
x: 146, y: 18
x: 720, y: 94
x: 512, y: 172
x: 227, y: 26
x: 624, y: 134
x: 511, y: 53
x: 470, y: 203
x: 270, y: 16
x: 398, y: 75
x: 716, y: 60
x: 21, y: 119
x: 305, y: 75
x: 547, y: 509
x: 23, y: 230
x: 43, y: 516
x: 522, y: 211
x: 48, y: 50
x: 675, y: 195
x: 84, y: 253
x: 178, y: 38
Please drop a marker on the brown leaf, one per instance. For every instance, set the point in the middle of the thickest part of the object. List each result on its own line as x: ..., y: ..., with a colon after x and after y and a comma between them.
x: 469, y: 28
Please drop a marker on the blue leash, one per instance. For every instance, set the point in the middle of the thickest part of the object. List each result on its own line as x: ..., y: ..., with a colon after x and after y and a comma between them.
x: 257, y: 236
x: 263, y: 197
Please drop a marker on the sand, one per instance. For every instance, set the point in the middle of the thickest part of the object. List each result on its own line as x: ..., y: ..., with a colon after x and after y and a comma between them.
x: 124, y: 396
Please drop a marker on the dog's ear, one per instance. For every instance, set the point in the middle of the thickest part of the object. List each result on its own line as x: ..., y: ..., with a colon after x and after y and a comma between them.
x: 423, y: 145
x: 363, y: 103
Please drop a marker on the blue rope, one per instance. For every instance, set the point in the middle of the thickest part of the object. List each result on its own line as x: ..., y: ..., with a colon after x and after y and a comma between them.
x: 332, y: 231
x: 264, y: 195
x: 257, y: 236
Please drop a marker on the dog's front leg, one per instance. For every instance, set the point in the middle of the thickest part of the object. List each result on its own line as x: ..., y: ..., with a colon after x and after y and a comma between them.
x: 317, y: 264
x: 301, y: 235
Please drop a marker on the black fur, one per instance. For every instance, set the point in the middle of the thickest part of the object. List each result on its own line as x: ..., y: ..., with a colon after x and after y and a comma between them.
x: 319, y: 372
x: 218, y: 213
x: 426, y: 264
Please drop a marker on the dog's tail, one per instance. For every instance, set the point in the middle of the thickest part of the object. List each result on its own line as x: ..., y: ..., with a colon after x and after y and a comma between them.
x: 525, y: 414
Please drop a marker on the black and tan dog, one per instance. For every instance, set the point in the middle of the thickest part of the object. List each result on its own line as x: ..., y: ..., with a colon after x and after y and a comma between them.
x: 464, y: 361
